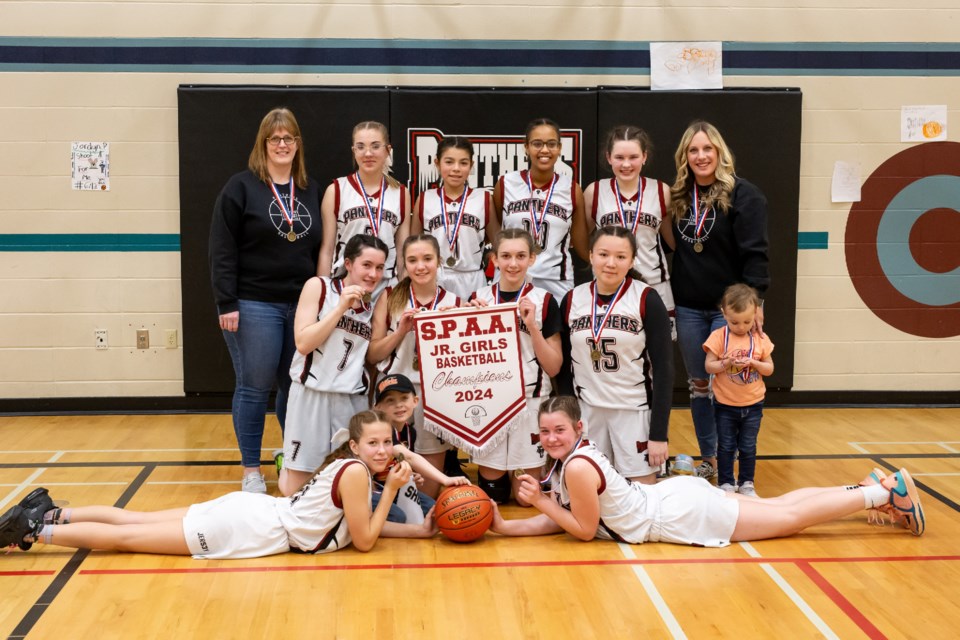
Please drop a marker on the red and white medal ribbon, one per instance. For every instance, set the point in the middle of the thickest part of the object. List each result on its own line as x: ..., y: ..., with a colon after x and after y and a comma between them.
x: 374, y: 221
x: 338, y: 287
x: 537, y: 222
x: 452, y: 239
x: 596, y: 329
x: 623, y: 218
x: 698, y: 220
x: 525, y: 288
x: 743, y: 374
x: 580, y: 443
x: 287, y: 211
x: 432, y: 305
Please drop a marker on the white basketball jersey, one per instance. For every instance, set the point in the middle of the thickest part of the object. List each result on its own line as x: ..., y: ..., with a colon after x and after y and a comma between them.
x: 338, y: 364
x: 651, y: 261
x: 313, y: 516
x: 554, y: 261
x: 624, y: 505
x: 401, y: 361
x: 353, y: 218
x: 471, y: 236
x: 537, y: 381
x: 618, y: 376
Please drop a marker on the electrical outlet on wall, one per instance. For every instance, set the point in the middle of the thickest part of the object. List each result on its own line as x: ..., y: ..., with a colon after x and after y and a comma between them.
x: 100, y: 338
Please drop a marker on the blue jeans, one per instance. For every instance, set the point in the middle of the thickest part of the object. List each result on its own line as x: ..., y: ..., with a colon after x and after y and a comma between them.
x: 737, y: 428
x: 396, y: 513
x: 261, y: 350
x: 694, y: 326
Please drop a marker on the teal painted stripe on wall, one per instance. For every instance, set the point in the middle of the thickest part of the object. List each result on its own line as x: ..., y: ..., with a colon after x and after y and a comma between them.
x: 40, y: 242
x: 812, y: 240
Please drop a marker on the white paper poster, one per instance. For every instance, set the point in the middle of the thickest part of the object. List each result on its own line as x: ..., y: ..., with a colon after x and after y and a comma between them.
x: 846, y: 182
x: 90, y: 166
x: 923, y: 123
x: 686, y: 65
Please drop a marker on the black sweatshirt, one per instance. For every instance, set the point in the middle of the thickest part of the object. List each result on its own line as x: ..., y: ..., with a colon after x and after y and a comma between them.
x: 734, y: 250
x: 250, y: 255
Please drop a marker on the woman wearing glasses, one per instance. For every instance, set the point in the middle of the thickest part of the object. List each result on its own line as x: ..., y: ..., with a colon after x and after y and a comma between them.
x: 265, y: 239
x: 369, y: 201
x: 547, y: 204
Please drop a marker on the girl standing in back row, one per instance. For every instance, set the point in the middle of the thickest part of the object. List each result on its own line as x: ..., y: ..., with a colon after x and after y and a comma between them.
x: 636, y: 202
x: 369, y: 201
x: 458, y: 217
x: 548, y: 204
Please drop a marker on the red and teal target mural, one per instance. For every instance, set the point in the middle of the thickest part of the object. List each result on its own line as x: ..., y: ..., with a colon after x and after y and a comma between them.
x: 903, y: 241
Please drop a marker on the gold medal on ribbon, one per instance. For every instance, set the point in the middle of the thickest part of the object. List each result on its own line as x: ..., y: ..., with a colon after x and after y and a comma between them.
x: 595, y: 355
x: 291, y: 236
x: 398, y: 457
x: 451, y: 261
x: 366, y: 297
x: 698, y: 247
x: 416, y: 363
x: 518, y: 473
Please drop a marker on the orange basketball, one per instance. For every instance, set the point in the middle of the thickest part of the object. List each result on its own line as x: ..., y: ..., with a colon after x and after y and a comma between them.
x: 463, y: 513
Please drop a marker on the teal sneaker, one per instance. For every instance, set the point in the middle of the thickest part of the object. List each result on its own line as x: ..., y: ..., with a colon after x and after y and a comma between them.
x: 905, y: 500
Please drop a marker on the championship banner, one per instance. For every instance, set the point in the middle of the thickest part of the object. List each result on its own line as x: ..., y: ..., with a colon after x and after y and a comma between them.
x: 471, y: 374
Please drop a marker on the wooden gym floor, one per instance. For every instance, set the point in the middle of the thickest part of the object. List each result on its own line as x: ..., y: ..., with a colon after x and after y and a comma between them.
x: 845, y: 579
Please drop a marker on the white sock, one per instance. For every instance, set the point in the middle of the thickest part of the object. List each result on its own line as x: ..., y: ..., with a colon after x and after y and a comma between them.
x: 875, y: 495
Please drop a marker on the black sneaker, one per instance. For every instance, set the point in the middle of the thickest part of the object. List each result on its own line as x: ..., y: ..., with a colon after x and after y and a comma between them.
x: 35, y: 505
x: 14, y: 525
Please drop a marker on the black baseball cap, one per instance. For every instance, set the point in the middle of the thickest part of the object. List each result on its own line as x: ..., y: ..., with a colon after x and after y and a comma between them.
x: 394, y: 383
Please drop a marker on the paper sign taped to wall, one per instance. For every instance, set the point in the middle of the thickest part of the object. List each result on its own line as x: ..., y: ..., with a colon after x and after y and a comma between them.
x: 846, y: 182
x: 90, y: 166
x: 686, y: 65
x: 923, y: 123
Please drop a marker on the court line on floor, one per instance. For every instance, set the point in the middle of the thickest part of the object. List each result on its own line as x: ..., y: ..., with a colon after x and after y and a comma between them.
x: 791, y: 593
x: 17, y: 488
x: 841, y: 601
x: 654, y: 594
x: 520, y: 564
x: 49, y: 594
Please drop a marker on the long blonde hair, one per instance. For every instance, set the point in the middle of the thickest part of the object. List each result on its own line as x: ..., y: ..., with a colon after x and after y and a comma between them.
x: 718, y: 195
x: 400, y: 294
x: 382, y: 129
x: 279, y: 118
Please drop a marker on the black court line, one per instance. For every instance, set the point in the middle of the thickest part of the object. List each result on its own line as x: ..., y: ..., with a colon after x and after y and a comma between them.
x: 60, y: 581
x: 925, y: 487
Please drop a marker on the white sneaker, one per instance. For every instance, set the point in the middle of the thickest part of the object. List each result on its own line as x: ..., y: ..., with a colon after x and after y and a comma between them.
x: 746, y: 489
x: 729, y: 488
x: 254, y: 483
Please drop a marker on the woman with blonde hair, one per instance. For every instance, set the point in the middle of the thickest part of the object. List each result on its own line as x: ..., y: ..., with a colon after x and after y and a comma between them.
x: 720, y: 231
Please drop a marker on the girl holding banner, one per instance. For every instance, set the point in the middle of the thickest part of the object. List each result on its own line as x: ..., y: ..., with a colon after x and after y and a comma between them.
x: 617, y: 338
x: 393, y: 347
x: 636, y: 202
x: 368, y: 201
x: 540, y: 349
x: 546, y: 203
x: 458, y: 217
